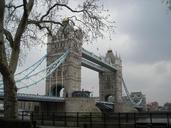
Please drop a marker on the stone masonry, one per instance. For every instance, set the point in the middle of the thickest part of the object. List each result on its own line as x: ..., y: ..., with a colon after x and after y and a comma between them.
x: 68, y: 76
x: 110, y: 83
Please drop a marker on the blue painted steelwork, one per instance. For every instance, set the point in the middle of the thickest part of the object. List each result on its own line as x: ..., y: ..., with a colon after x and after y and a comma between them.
x: 106, y: 107
x: 97, y: 60
x: 48, y: 70
x: 35, y: 98
x: 93, y: 66
x: 26, y: 72
x: 136, y: 105
x: 89, y: 60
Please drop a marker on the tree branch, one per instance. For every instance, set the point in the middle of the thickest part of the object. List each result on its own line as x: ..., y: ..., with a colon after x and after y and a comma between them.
x: 42, y: 27
x: 20, y: 30
x: 13, y: 6
x: 62, y: 5
x: 25, y: 8
x: 3, y: 59
x: 10, y: 6
x: 39, y: 24
x: 23, y: 23
x: 4, y: 69
x: 9, y: 38
x: 44, y: 21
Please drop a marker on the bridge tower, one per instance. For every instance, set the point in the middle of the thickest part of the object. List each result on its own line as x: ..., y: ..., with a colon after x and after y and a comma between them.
x: 110, y: 83
x: 68, y: 75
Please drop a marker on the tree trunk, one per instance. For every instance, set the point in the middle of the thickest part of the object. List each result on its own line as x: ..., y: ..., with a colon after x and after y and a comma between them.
x: 10, y: 100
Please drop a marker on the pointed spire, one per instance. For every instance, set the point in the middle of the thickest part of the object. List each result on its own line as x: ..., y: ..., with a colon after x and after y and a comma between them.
x: 120, y: 56
x: 116, y: 56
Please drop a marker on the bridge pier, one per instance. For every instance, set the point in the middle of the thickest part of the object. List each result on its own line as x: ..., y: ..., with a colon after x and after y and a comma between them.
x: 68, y: 75
x: 110, y: 83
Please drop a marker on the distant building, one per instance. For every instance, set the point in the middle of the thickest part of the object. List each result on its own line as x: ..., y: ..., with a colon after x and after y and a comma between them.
x: 136, y: 99
x: 153, y: 106
x: 167, y: 107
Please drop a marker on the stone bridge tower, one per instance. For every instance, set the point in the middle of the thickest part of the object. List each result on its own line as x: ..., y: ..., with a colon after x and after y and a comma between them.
x: 110, y: 83
x: 68, y: 75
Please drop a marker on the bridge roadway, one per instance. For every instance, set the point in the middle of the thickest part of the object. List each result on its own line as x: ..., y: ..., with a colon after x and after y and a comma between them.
x: 95, y: 63
x: 35, y: 98
x: 41, y: 98
x: 93, y: 66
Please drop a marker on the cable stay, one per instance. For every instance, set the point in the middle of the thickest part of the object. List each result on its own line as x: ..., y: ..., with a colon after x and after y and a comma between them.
x: 48, y: 71
x: 31, y: 78
x: 26, y: 72
x: 34, y: 66
x: 138, y: 104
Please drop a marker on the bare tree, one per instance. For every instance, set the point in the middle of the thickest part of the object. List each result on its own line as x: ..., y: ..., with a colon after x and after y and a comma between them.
x: 22, y: 22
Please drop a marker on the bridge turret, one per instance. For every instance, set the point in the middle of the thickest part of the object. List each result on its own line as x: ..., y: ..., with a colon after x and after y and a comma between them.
x: 113, y: 59
x: 68, y: 75
x: 111, y: 82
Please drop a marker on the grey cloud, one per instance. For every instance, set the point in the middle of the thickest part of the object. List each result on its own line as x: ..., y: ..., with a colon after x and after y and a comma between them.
x: 152, y: 79
x: 146, y: 51
x: 150, y: 29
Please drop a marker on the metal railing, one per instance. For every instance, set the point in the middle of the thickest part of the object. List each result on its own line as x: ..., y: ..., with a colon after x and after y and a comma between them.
x: 100, y: 120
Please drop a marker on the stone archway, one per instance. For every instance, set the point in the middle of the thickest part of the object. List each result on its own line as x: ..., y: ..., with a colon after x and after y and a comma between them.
x: 109, y: 98
x: 61, y: 93
x: 56, y: 90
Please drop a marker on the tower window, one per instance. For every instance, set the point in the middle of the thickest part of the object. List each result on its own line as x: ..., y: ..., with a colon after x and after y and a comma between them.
x: 108, y: 78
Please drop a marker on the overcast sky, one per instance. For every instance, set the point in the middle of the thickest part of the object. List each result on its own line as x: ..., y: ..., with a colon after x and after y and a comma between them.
x: 143, y: 39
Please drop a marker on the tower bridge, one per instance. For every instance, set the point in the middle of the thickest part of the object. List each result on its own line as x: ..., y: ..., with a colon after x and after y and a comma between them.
x: 68, y: 75
x: 65, y: 56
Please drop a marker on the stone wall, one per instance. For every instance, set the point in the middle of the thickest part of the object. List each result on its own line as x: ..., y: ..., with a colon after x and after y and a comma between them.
x: 27, y: 105
x: 52, y: 107
x: 80, y: 105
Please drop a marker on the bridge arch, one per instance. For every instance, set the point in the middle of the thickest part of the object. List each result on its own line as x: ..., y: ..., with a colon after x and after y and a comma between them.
x: 56, y: 90
x: 109, y: 98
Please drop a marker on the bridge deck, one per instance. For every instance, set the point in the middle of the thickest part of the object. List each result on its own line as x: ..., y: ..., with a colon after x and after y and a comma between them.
x: 35, y: 98
x: 97, y: 60
x: 93, y: 66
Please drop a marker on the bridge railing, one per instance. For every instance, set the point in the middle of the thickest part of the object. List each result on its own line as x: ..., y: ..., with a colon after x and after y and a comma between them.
x: 100, y: 120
